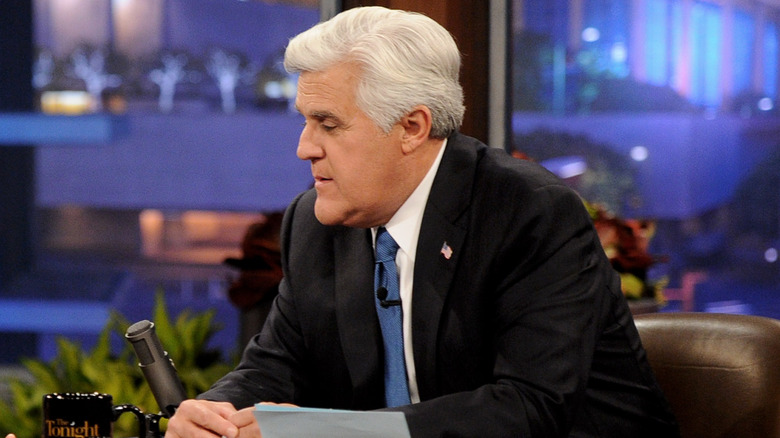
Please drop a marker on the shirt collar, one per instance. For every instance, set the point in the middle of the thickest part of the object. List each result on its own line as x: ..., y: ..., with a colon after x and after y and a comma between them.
x: 405, y: 224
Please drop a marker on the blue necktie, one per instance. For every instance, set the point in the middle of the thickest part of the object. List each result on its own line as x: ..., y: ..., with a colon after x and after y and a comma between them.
x: 390, y: 319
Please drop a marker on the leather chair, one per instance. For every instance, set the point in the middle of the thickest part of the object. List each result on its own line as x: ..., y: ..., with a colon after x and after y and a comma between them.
x: 720, y: 373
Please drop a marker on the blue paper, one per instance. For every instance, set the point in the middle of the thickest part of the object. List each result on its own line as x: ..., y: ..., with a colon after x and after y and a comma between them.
x: 283, y: 422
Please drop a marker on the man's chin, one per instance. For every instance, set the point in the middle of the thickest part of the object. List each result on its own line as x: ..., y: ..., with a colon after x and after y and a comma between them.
x: 333, y: 216
x: 327, y: 216
x: 327, y: 220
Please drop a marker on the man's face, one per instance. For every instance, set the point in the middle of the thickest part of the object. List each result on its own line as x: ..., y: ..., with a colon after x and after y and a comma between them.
x: 356, y: 166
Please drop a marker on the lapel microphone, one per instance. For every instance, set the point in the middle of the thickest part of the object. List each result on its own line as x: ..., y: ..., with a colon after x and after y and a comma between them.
x: 381, y: 294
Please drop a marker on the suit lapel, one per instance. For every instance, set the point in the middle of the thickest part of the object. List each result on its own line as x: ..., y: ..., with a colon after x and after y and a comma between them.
x: 357, y: 321
x: 443, y: 222
x: 442, y: 234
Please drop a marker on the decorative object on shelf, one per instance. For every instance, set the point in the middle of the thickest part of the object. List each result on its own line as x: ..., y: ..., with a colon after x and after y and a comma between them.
x: 169, y: 73
x: 43, y: 69
x: 68, y: 102
x: 86, y: 81
x: 91, y: 65
x: 229, y: 70
x: 275, y: 88
x: 626, y: 242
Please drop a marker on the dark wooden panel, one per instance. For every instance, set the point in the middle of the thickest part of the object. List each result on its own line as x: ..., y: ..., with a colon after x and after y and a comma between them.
x: 16, y: 163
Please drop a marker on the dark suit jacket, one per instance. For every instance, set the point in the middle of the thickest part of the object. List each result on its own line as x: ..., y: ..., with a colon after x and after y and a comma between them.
x: 523, y: 331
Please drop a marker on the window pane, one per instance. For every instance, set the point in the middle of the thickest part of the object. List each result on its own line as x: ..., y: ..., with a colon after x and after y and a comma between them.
x: 772, y: 57
x: 744, y: 41
x: 706, y: 34
x: 664, y: 111
x: 196, y: 140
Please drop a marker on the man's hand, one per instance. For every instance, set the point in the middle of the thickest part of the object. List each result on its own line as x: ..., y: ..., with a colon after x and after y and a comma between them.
x: 202, y: 419
x: 247, y: 423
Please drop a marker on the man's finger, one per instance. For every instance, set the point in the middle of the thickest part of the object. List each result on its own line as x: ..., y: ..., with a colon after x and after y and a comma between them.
x: 244, y: 417
x: 200, y: 418
x: 247, y: 423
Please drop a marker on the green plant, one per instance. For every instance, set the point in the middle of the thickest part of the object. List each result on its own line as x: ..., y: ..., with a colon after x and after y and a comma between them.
x: 118, y: 374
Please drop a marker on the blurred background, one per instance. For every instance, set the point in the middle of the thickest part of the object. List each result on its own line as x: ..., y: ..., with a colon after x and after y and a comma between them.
x: 155, y: 132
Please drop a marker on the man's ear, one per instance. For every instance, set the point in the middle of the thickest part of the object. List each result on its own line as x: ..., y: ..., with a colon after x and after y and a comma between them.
x: 417, y: 128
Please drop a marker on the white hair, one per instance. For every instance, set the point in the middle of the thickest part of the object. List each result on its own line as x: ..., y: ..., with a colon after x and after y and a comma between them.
x: 406, y: 59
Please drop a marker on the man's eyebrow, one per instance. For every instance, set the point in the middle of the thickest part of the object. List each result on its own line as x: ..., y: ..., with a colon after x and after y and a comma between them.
x: 323, y: 115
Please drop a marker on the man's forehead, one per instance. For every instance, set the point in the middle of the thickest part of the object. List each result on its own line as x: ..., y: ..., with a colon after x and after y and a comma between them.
x: 338, y: 75
x: 317, y: 107
x: 324, y: 94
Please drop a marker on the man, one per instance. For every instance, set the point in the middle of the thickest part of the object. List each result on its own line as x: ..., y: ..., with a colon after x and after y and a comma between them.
x: 513, y: 322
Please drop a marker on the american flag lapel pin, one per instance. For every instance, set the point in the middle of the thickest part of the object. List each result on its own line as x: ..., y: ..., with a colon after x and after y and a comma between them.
x: 446, y: 251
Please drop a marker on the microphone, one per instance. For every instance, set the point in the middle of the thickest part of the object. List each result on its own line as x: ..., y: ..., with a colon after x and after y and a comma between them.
x: 381, y: 294
x: 157, y: 367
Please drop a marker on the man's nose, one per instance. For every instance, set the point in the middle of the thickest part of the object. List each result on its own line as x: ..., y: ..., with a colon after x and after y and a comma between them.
x: 308, y: 148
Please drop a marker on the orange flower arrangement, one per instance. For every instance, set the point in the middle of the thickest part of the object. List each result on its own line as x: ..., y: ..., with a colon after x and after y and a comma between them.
x: 626, y: 242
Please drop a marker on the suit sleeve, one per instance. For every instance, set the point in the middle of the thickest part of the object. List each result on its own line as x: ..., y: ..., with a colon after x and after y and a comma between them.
x: 269, y: 369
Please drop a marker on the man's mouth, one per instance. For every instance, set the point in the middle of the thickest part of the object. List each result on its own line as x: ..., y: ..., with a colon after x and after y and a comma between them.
x: 320, y: 180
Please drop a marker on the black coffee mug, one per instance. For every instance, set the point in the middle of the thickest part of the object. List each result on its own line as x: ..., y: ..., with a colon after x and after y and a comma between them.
x: 84, y: 415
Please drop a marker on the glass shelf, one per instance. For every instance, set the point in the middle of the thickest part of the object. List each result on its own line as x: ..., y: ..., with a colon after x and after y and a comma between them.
x: 35, y: 128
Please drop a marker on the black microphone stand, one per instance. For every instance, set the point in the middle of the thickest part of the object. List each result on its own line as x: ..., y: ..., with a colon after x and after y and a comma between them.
x: 159, y: 372
x: 153, y: 425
